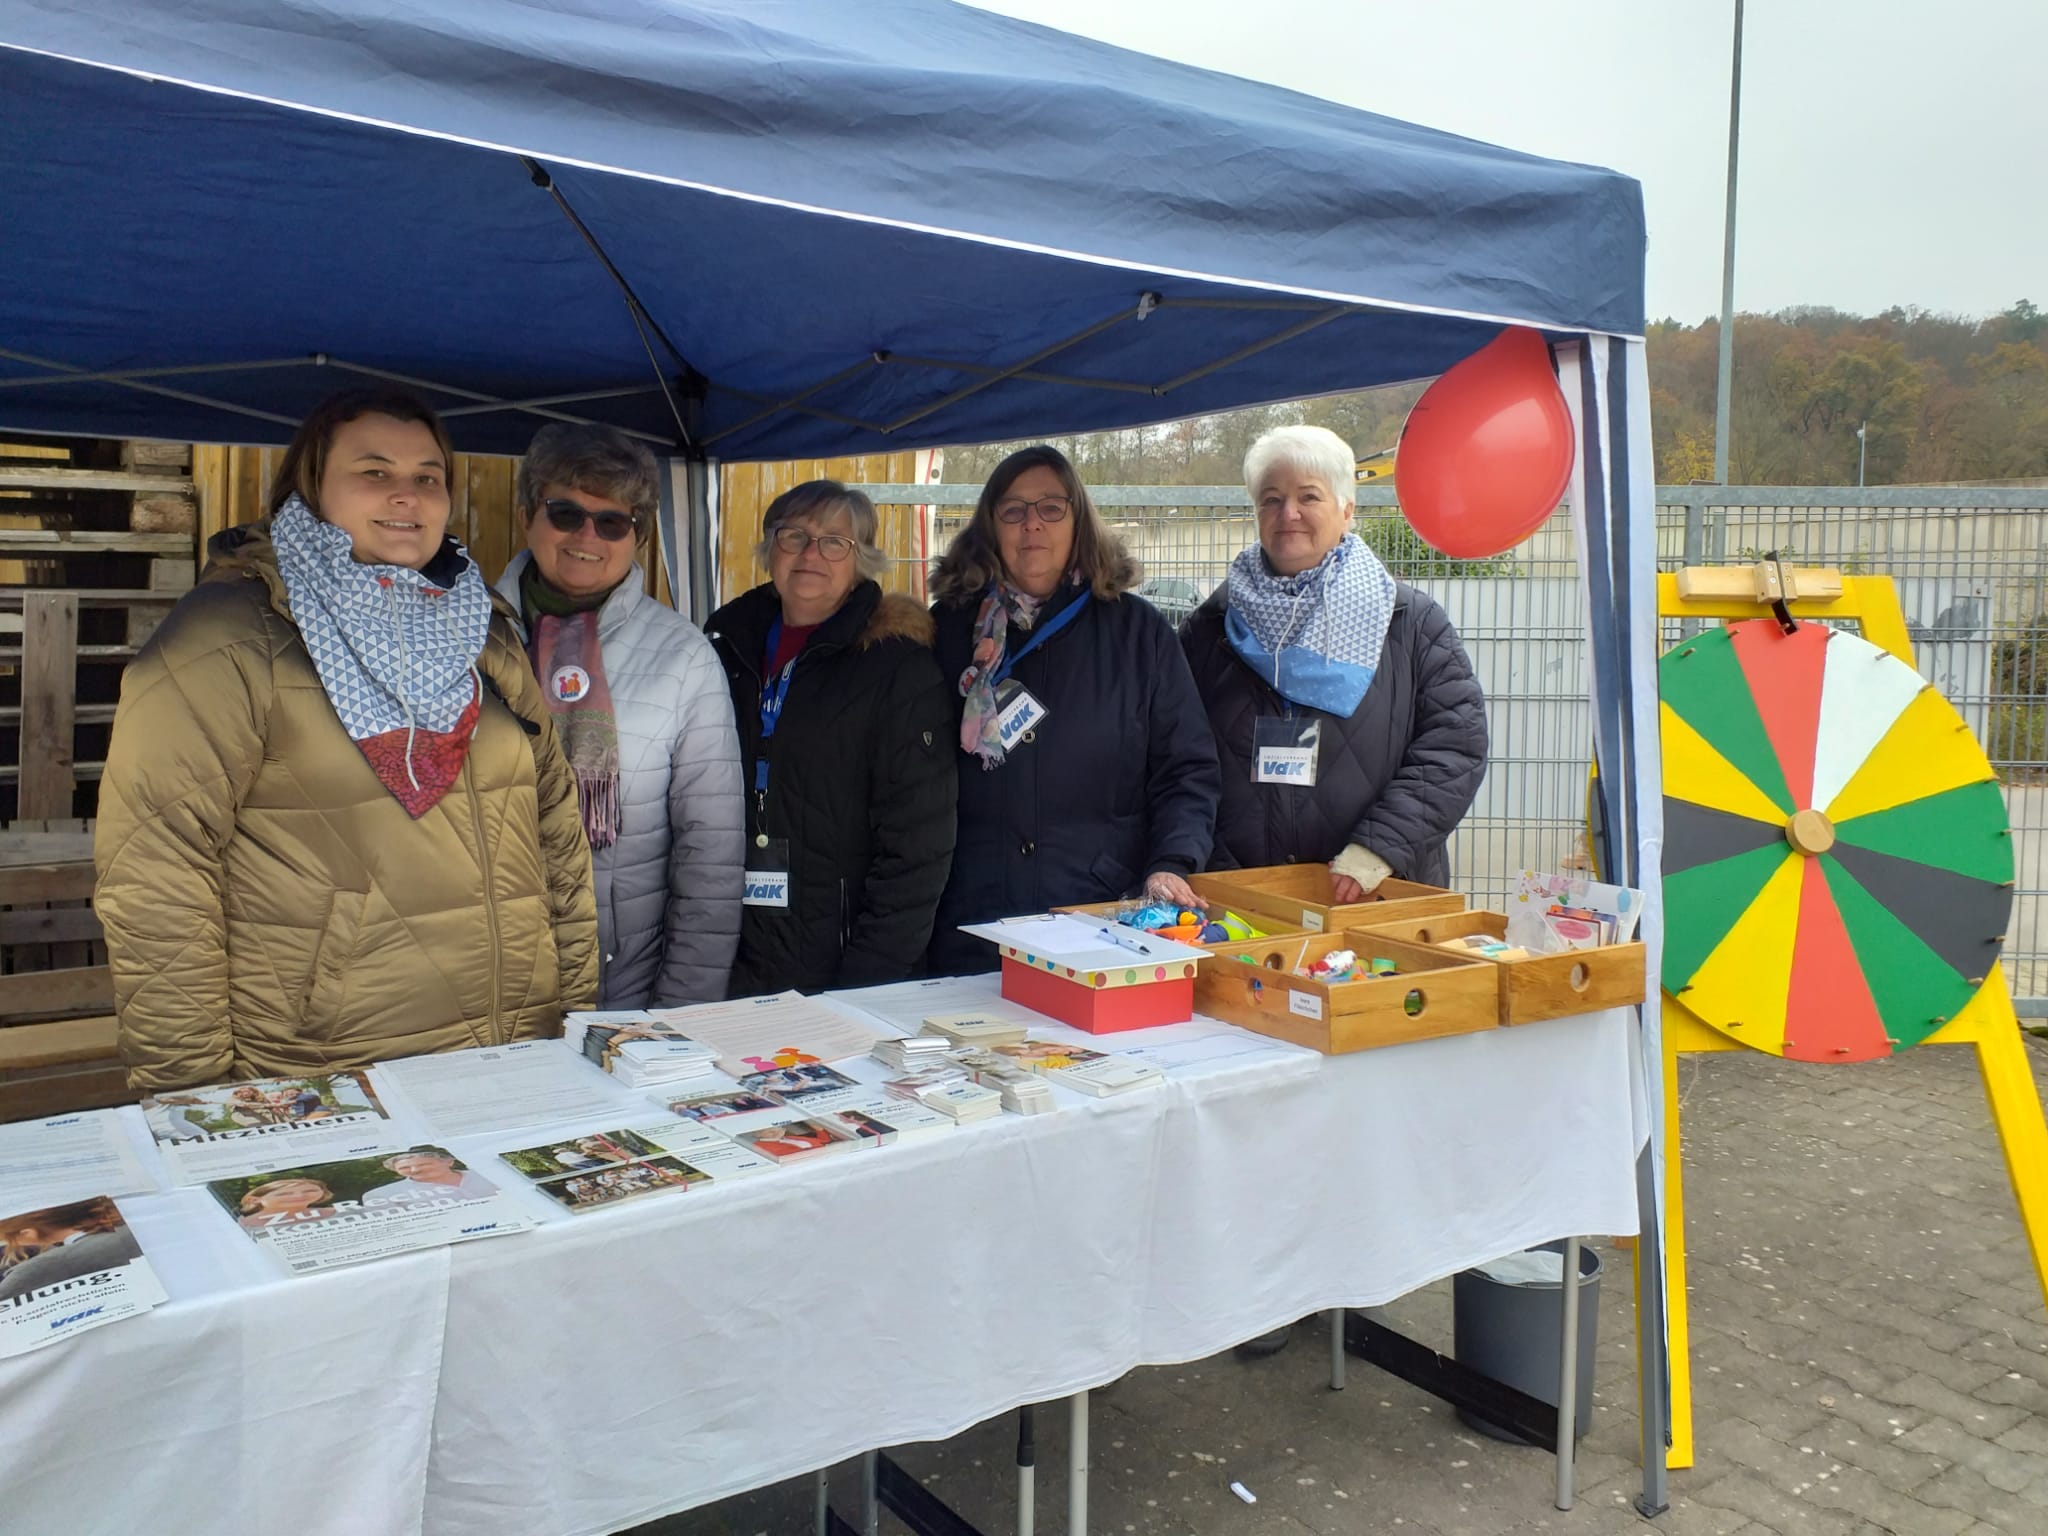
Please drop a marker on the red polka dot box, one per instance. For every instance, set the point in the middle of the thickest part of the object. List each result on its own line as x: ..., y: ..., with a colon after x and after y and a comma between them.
x: 1092, y: 973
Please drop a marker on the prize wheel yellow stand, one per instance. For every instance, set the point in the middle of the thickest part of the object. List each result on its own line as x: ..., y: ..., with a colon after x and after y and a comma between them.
x: 1838, y: 868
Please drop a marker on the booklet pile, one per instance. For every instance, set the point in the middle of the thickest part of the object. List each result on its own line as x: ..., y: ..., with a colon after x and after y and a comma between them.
x: 639, y: 1049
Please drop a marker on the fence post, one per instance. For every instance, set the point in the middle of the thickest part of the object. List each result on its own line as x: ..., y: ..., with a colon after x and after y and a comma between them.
x: 49, y: 697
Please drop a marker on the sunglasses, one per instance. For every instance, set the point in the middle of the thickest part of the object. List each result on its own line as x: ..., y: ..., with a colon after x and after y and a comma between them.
x: 569, y: 517
x: 792, y: 540
x: 1050, y: 509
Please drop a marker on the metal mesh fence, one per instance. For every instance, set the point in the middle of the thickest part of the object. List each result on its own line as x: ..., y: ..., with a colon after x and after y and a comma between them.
x: 1971, y: 567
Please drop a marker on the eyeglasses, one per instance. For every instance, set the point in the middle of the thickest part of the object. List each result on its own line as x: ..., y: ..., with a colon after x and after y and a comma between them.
x: 1050, y: 509
x: 792, y: 540
x: 569, y: 517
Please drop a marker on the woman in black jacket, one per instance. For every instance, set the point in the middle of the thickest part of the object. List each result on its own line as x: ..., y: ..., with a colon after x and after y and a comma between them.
x: 845, y: 727
x: 1086, y: 769
x: 1351, y: 729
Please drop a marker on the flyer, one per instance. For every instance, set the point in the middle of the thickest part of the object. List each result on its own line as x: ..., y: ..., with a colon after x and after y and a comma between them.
x: 68, y: 1268
x: 759, y: 1034
x: 66, y: 1157
x: 502, y: 1087
x: 323, y: 1215
x: 278, y: 1122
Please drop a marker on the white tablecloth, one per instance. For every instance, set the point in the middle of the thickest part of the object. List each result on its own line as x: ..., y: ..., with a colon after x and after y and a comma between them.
x: 613, y: 1367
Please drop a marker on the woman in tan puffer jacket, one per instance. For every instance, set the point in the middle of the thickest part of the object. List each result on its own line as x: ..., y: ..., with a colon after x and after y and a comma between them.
x: 335, y: 827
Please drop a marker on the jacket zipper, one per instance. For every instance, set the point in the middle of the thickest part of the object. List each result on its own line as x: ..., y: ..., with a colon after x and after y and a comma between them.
x: 483, y: 854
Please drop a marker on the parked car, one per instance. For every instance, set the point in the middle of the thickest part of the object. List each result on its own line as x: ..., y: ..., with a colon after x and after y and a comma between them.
x: 1174, y: 596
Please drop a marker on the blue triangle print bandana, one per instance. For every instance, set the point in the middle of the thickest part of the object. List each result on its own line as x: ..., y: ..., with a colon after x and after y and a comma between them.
x: 1315, y: 637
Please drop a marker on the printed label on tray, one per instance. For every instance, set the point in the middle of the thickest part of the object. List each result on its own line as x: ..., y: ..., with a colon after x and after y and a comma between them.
x: 1307, y: 1004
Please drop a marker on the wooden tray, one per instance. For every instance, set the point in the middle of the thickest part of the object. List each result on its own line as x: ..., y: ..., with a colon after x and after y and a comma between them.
x: 1543, y: 986
x: 1450, y: 996
x: 1275, y: 927
x: 1301, y: 893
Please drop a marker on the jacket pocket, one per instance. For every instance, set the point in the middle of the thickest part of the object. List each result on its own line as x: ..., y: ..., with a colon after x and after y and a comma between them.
x: 323, y: 1006
x: 1112, y: 876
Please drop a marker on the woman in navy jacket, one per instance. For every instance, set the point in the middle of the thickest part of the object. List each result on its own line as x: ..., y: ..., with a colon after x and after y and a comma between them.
x: 1087, y: 771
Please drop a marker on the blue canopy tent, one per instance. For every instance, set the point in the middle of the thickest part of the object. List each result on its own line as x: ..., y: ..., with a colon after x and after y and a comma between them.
x: 777, y: 228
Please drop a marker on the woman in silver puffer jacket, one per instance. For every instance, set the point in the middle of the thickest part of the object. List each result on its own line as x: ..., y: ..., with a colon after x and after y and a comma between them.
x: 640, y: 704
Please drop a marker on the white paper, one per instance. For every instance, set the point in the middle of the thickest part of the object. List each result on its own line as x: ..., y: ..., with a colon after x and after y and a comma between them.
x: 1203, y: 1049
x: 759, y: 1034
x: 1088, y: 943
x: 69, y: 1156
x: 905, y: 1005
x: 79, y: 1267
x: 503, y: 1087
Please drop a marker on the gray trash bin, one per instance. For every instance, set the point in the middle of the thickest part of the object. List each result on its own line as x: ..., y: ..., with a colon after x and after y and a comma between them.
x: 1509, y: 1325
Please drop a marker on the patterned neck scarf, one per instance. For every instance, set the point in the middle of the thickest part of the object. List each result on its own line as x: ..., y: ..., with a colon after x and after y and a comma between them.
x: 568, y: 658
x: 1315, y: 636
x: 395, y: 651
x: 1003, y: 606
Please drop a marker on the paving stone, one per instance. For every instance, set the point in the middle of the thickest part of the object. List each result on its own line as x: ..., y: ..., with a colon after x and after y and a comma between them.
x: 1989, y: 1420
x: 2003, y: 1468
x: 1759, y: 1501
x: 1962, y: 1489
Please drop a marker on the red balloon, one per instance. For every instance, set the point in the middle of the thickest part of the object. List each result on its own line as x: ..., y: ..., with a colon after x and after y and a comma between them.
x: 1487, y: 451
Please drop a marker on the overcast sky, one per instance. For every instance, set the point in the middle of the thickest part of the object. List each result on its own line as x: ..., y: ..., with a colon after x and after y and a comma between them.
x: 1893, y: 151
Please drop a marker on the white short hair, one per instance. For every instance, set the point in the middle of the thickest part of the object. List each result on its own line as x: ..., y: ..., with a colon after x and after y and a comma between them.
x: 1306, y: 450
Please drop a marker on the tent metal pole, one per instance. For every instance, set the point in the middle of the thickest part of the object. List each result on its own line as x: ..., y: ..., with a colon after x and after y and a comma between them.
x: 622, y: 392
x: 1314, y: 322
x: 1016, y: 368
x: 154, y: 389
x: 1652, y: 1366
x: 489, y: 402
x: 797, y: 399
x: 1030, y: 375
x: 124, y: 375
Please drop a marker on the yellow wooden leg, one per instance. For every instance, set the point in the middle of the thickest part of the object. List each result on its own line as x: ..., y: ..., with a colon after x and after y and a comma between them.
x: 1990, y: 1024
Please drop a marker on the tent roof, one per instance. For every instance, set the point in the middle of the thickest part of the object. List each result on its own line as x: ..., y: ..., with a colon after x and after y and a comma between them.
x: 848, y: 227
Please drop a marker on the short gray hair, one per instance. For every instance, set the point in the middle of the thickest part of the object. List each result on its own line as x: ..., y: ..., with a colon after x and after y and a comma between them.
x: 598, y: 461
x: 1307, y: 450
x: 817, y: 501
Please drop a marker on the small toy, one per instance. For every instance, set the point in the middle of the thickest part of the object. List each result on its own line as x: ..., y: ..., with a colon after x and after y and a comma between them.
x: 1215, y: 933
x: 1237, y: 929
x: 1344, y: 965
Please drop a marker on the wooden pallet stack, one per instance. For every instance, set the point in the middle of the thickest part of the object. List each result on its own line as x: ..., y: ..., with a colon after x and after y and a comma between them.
x: 100, y: 542
x: 96, y: 544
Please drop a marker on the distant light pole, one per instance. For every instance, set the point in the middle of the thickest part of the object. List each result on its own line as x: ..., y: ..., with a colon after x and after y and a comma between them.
x: 1862, y: 443
x: 1727, y: 370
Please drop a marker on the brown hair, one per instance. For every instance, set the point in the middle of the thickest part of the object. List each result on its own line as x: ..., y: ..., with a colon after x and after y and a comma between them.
x: 974, y: 559
x: 253, y: 1196
x: 305, y: 461
x: 596, y: 460
x: 95, y: 1215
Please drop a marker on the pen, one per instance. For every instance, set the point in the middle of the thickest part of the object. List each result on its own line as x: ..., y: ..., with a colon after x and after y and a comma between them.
x: 1136, y: 945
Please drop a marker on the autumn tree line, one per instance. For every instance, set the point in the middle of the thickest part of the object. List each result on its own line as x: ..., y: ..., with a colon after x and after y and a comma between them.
x: 1941, y: 398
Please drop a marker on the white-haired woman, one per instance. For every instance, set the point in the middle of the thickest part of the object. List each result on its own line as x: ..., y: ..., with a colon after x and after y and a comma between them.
x: 846, y: 729
x: 640, y: 706
x: 1351, y: 728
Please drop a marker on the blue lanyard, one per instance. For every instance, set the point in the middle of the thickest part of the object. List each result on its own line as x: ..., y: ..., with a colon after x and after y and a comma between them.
x: 1040, y: 635
x: 772, y: 696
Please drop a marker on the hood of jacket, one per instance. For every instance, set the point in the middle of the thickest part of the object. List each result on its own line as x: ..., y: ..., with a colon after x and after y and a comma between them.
x: 867, y: 618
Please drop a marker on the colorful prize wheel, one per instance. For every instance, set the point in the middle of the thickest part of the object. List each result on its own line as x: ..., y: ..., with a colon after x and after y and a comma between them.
x: 1838, y: 865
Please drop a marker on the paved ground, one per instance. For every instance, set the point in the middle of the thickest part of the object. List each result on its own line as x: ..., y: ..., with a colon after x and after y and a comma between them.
x: 1870, y: 1355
